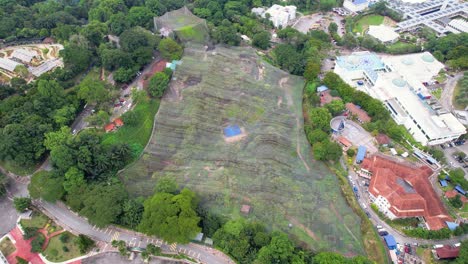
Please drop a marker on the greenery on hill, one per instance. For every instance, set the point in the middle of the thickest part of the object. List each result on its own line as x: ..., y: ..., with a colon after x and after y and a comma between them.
x: 460, y: 99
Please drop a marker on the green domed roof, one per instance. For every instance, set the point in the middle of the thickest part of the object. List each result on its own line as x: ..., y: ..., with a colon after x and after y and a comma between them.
x: 427, y: 58
x: 399, y: 82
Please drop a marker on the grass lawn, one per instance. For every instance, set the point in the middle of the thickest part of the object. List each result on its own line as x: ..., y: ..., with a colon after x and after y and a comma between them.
x: 437, y: 93
x: 38, y: 220
x: 55, y: 249
x: 363, y: 24
x: 137, y: 134
x: 7, y: 247
x: 18, y: 170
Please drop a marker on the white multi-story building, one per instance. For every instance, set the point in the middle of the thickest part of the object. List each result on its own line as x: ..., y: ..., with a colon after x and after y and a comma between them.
x: 398, y: 81
x: 279, y: 15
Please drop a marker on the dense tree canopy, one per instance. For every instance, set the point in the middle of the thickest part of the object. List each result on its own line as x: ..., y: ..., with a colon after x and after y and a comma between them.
x: 171, y: 217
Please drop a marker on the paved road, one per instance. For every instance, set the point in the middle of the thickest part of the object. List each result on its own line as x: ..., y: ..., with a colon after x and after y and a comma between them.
x: 447, y: 93
x: 62, y: 215
x: 116, y: 258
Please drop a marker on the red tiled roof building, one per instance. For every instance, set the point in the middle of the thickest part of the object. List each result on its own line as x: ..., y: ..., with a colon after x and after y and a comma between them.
x: 109, y: 127
x: 118, y: 122
x: 403, y: 190
x: 447, y: 252
x: 361, y: 115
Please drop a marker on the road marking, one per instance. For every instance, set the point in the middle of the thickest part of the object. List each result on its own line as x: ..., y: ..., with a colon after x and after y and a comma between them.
x: 139, y: 243
x: 115, y: 236
x: 190, y: 252
x: 147, y: 240
x: 173, y: 247
x: 198, y: 256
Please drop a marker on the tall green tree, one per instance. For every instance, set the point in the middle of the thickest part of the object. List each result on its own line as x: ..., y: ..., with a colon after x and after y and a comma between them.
x: 158, y: 84
x: 47, y: 186
x: 170, y: 50
x: 171, y: 217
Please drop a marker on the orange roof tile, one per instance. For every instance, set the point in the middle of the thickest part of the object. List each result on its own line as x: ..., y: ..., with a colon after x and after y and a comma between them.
x: 344, y: 141
x: 109, y: 127
x: 447, y: 252
x: 118, y: 122
x: 361, y: 114
x: 407, y: 189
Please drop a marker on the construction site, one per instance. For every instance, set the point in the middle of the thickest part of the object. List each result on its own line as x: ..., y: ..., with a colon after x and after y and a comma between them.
x: 231, y: 128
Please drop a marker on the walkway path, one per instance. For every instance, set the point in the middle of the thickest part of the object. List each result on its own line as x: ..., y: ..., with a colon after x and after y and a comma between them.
x: 447, y: 93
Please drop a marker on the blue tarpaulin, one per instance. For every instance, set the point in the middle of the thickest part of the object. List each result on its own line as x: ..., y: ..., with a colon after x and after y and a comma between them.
x: 459, y: 189
x: 443, y: 183
x: 232, y: 131
x: 361, y: 153
x: 390, y: 241
x: 447, y: 178
x: 451, y: 225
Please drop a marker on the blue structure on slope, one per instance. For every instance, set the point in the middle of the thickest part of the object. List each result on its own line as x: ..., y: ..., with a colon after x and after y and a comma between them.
x: 232, y: 131
x: 459, y: 189
x: 361, y: 153
x: 390, y: 241
x: 451, y: 225
x: 443, y: 183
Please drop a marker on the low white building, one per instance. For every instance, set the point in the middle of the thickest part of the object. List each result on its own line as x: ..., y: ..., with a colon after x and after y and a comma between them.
x: 24, y: 55
x: 356, y: 5
x: 397, y: 81
x: 8, y: 64
x: 458, y: 25
x: 279, y: 15
x: 383, y: 33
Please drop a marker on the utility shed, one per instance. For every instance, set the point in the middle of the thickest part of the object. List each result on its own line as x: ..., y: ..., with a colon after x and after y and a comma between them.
x: 390, y: 241
x: 459, y: 189
x: 360, y: 154
x: 443, y: 183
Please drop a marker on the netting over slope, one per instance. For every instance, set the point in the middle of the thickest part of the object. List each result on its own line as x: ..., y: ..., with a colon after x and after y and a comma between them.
x: 185, y: 25
x: 269, y: 166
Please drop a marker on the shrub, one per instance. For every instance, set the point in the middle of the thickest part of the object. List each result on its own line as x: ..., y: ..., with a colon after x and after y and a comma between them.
x: 37, y: 243
x: 64, y: 238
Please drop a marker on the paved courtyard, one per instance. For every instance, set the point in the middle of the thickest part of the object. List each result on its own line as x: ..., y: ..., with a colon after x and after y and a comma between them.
x: 358, y: 136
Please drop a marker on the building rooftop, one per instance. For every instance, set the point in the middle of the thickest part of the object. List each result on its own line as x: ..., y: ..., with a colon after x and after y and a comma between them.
x: 364, y: 61
x: 414, y: 68
x: 24, y: 55
x: 383, y: 33
x: 447, y: 252
x: 407, y: 188
x: 8, y: 64
x: 453, y: 193
x: 404, y: 98
x: 382, y: 139
x: 459, y: 24
x: 361, y: 114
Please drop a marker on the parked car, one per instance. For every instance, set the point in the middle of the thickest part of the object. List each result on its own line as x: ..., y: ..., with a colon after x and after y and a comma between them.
x: 121, y: 100
x: 117, y: 105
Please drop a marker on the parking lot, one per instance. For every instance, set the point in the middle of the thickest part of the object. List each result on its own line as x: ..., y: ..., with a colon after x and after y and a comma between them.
x: 358, y: 136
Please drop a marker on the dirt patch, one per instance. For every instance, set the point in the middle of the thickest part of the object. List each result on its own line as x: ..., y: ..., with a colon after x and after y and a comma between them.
x: 192, y: 80
x: 389, y: 22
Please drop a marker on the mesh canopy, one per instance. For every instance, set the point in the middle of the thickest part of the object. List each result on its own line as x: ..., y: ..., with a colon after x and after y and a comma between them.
x: 268, y: 166
x: 182, y: 24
